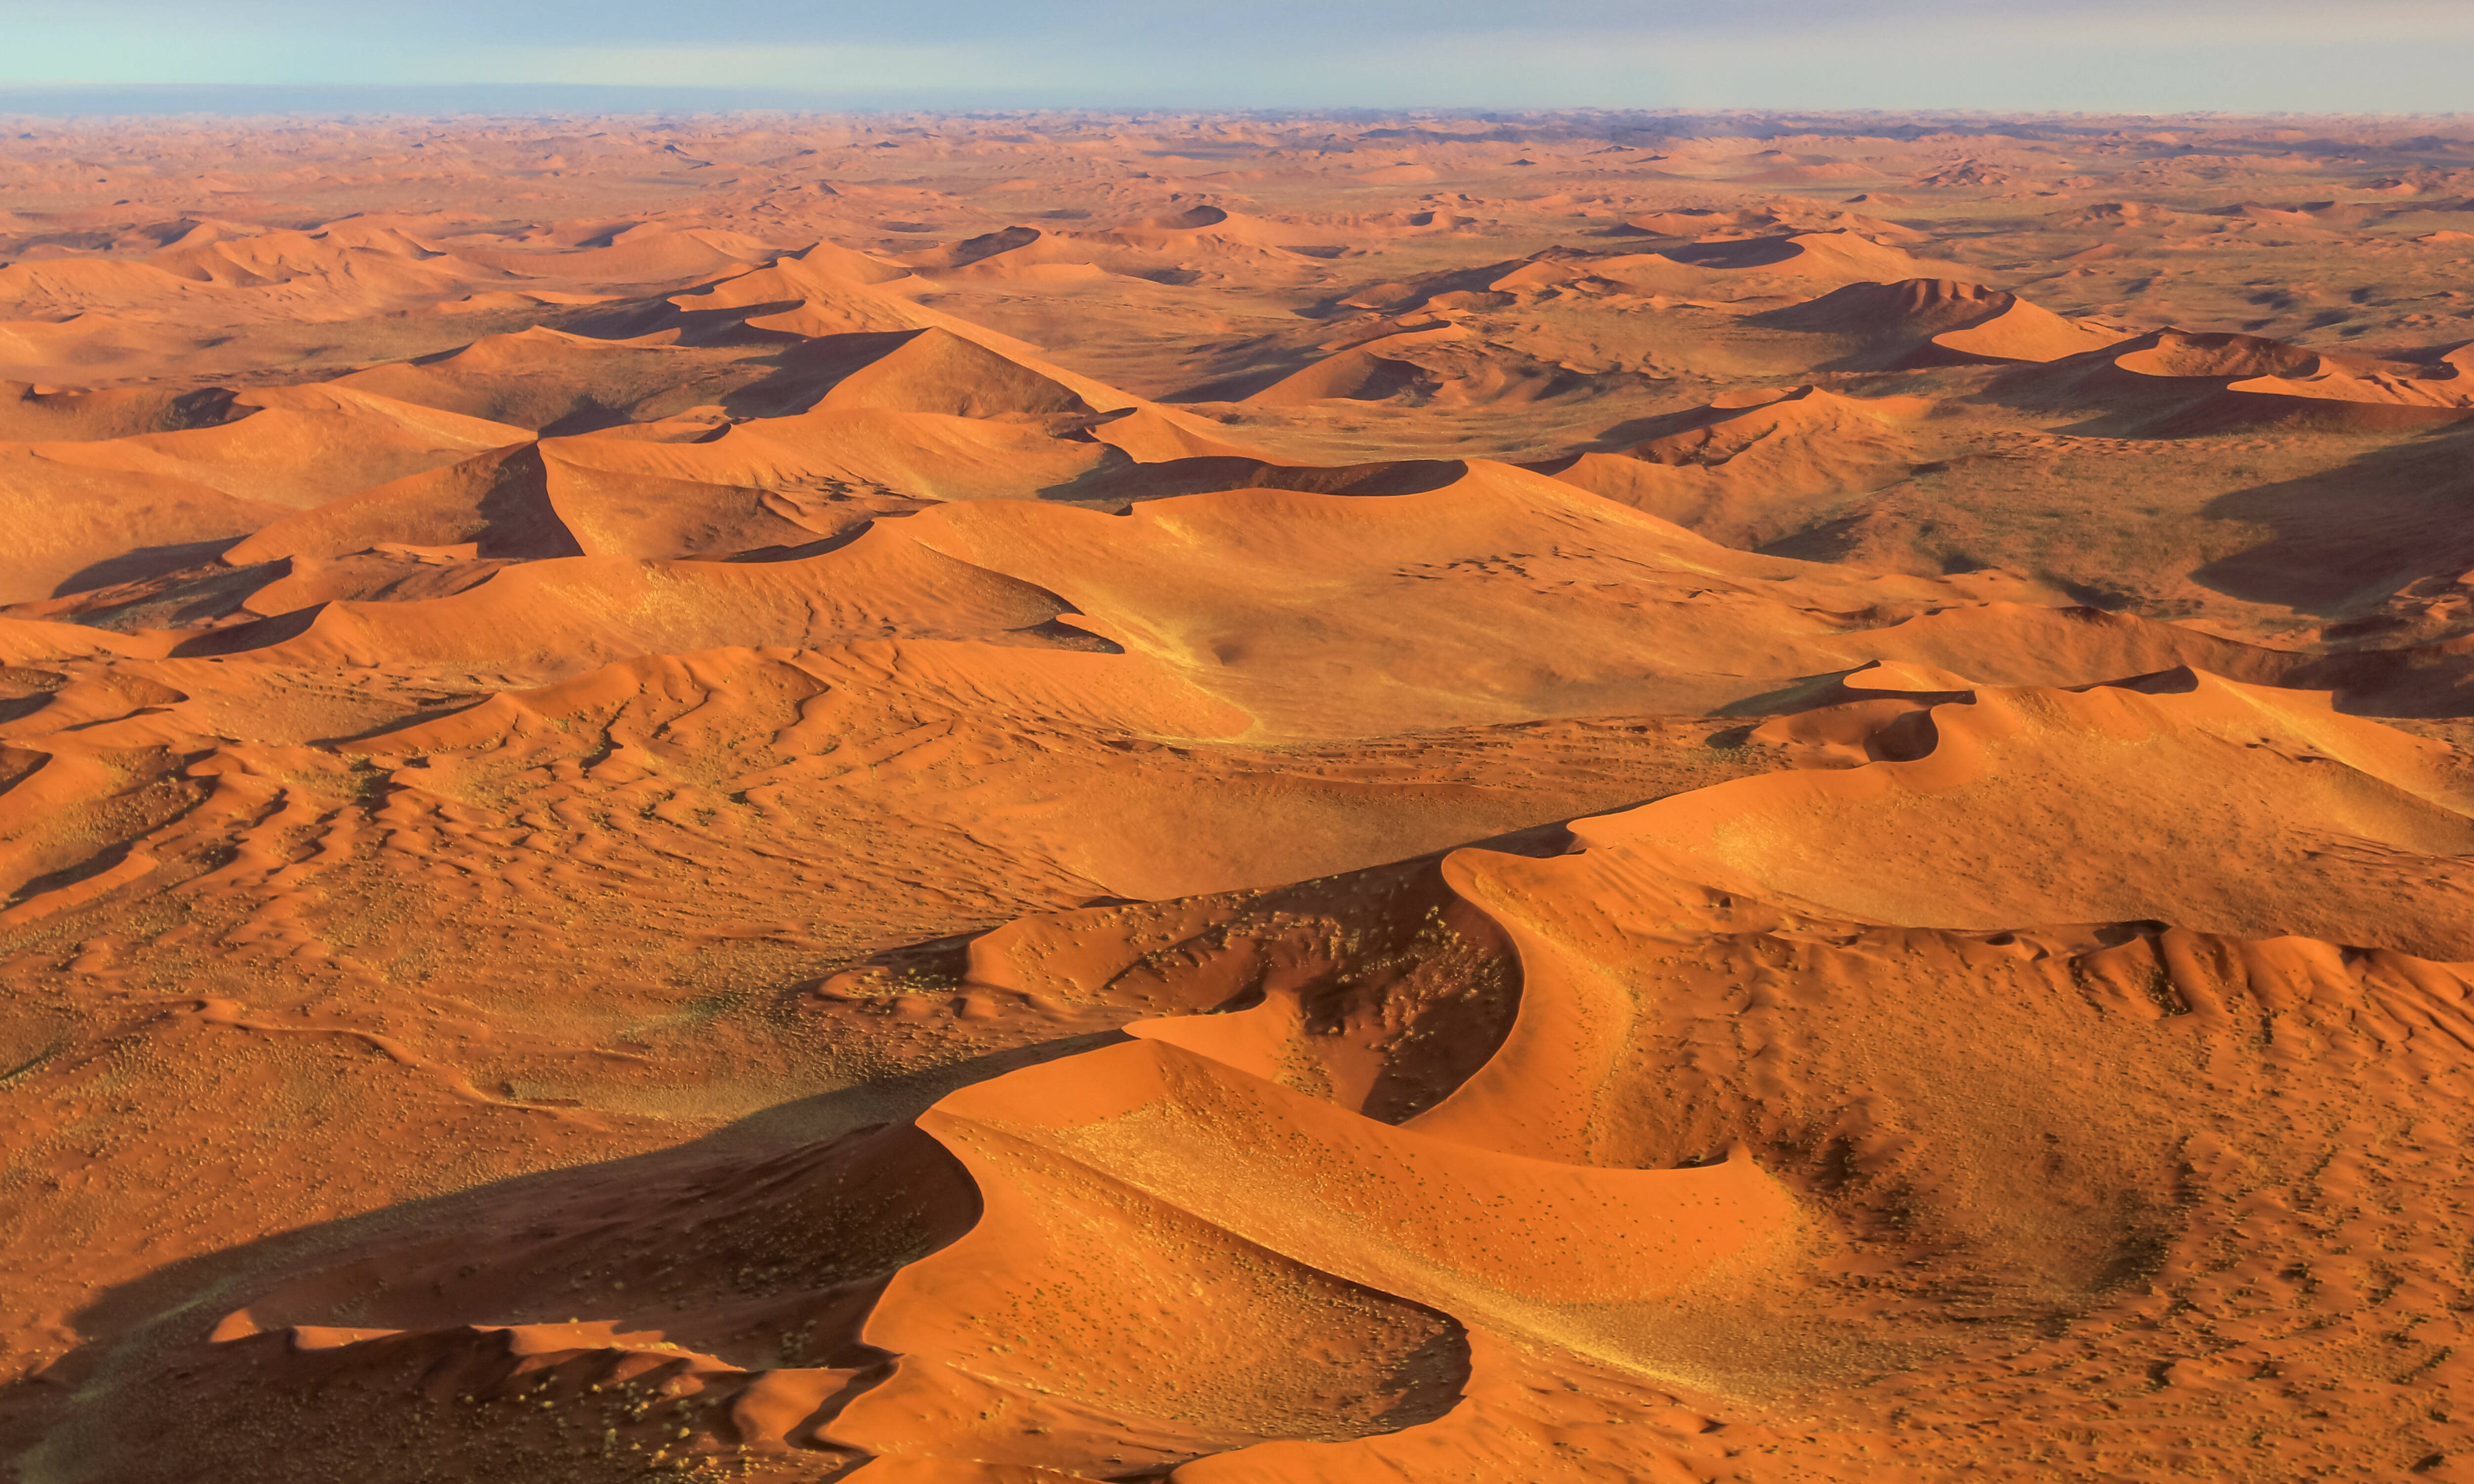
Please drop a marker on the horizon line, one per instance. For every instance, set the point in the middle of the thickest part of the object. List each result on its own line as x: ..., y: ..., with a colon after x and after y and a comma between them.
x: 479, y: 100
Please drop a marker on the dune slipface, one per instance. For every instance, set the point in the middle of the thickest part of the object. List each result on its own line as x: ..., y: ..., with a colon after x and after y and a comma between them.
x: 1236, y: 801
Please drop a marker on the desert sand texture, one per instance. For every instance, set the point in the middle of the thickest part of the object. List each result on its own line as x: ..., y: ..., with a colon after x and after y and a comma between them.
x: 1236, y: 799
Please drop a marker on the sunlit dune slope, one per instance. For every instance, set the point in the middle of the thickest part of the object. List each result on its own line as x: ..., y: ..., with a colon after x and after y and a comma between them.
x: 2221, y: 808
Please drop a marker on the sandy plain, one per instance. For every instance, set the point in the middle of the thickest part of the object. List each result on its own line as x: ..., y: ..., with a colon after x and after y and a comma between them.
x: 994, y: 799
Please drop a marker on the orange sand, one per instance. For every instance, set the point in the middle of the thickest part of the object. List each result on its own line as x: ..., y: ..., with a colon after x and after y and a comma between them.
x: 1237, y: 801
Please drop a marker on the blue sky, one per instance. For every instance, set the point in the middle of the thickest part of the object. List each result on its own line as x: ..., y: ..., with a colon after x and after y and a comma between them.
x: 2326, y: 56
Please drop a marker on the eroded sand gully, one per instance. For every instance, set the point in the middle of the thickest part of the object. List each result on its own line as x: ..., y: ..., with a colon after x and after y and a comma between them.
x: 1075, y: 798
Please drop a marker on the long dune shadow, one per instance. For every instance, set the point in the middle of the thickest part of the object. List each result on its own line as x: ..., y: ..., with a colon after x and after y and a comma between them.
x: 1237, y: 385
x: 1123, y: 484
x: 139, y: 563
x: 1737, y: 252
x: 1633, y: 431
x: 2344, y: 540
x: 894, y: 1099
x: 140, y: 1322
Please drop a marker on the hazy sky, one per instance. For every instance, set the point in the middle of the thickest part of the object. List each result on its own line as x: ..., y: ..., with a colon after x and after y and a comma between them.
x: 2322, y: 55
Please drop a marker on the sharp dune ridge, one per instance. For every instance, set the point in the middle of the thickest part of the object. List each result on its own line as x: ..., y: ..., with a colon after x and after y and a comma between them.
x: 1223, y: 800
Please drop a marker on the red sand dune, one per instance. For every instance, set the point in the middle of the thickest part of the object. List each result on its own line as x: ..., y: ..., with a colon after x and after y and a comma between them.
x: 1235, y: 799
x: 1718, y: 469
x: 2209, y: 382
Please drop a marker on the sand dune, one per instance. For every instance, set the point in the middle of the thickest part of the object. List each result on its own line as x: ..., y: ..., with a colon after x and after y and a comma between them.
x: 1443, y: 365
x: 78, y: 524
x: 495, y: 503
x: 81, y: 346
x: 2179, y: 382
x: 938, y: 371
x: 1761, y: 262
x: 1834, y: 254
x: 306, y: 445
x: 2355, y: 806
x: 36, y: 415
x: 1357, y: 373
x: 934, y: 456
x: 539, y: 379
x: 1907, y: 321
x: 1187, y: 246
x: 646, y: 253
x: 822, y: 291
x: 1235, y: 799
x: 1716, y: 471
